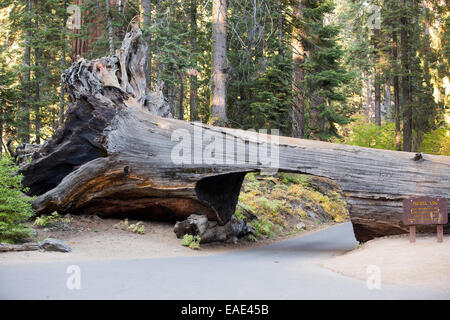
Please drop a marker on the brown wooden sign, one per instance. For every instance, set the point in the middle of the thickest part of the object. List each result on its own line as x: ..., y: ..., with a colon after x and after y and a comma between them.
x: 425, y: 210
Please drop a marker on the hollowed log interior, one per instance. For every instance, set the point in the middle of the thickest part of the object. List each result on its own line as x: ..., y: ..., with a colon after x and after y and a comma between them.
x: 221, y: 193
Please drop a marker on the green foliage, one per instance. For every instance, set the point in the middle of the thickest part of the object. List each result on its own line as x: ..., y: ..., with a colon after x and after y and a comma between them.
x: 15, y: 207
x: 365, y: 134
x: 191, y: 241
x: 137, y: 227
x: 50, y: 220
x: 33, y: 102
x: 342, y: 54
x: 436, y: 142
x: 264, y: 228
x: 324, y: 87
x: 238, y: 214
x: 372, y: 136
x: 288, y: 178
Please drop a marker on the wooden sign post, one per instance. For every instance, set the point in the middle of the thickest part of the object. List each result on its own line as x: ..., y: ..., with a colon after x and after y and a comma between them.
x: 425, y: 210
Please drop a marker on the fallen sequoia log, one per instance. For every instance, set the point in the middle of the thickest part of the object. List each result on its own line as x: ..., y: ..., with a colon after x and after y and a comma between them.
x: 115, y: 156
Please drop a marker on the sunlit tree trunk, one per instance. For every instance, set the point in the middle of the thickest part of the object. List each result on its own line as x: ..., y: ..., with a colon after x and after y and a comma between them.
x: 398, y: 135
x: 406, y: 98
x: 280, y: 27
x: 120, y: 11
x: 24, y: 126
x: 181, y: 99
x: 37, y: 92
x: 368, y: 93
x: 298, y: 58
x: 377, y: 85
x: 146, y: 13
x: 63, y: 65
x: 219, y: 63
x: 110, y: 28
x: 193, y: 82
x: 387, y: 95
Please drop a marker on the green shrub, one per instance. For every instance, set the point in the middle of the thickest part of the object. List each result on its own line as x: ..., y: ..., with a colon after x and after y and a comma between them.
x: 138, y: 227
x: 364, y: 134
x: 288, y: 178
x: 191, y: 241
x: 15, y: 207
x: 50, y: 220
x: 436, y: 142
x: 264, y: 227
x: 373, y: 136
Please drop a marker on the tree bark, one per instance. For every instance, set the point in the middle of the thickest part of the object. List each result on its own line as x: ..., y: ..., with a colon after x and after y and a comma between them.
x: 193, y: 82
x: 181, y: 99
x: 147, y: 11
x: 220, y: 63
x: 113, y: 157
x: 398, y: 135
x: 110, y: 28
x: 298, y: 58
x: 406, y: 94
x: 120, y: 29
x: 24, y: 126
x: 63, y: 65
x: 388, y: 96
x: 280, y: 28
x: 368, y: 94
x: 377, y: 101
x: 377, y: 85
x: 37, y: 89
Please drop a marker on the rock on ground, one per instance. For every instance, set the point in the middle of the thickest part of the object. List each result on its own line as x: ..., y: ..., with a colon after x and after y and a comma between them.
x: 51, y: 244
x: 48, y: 244
x: 210, y: 231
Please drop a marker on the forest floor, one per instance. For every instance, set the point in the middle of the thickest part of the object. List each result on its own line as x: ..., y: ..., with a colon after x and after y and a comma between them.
x: 425, y: 263
x: 282, y: 207
x: 93, y: 238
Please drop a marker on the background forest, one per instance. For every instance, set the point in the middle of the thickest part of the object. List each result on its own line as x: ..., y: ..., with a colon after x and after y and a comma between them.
x: 368, y: 73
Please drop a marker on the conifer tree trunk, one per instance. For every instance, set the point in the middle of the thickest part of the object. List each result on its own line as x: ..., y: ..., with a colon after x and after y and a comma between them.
x: 120, y: 11
x: 181, y: 98
x: 37, y: 97
x: 406, y: 97
x: 398, y: 135
x: 298, y: 58
x: 110, y: 28
x: 24, y: 126
x: 377, y: 101
x: 147, y: 9
x: 280, y: 28
x: 388, y: 95
x: 219, y: 63
x: 368, y: 93
x: 193, y: 83
x: 63, y: 65
x: 377, y: 85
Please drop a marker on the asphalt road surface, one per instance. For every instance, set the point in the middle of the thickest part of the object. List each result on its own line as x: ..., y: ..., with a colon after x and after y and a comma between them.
x: 283, y: 270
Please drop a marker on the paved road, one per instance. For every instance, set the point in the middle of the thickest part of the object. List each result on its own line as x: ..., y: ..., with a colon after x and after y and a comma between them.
x: 245, y: 274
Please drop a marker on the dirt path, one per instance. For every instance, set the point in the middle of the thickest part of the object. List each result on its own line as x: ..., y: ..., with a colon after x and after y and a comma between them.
x: 92, y: 238
x: 425, y: 263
